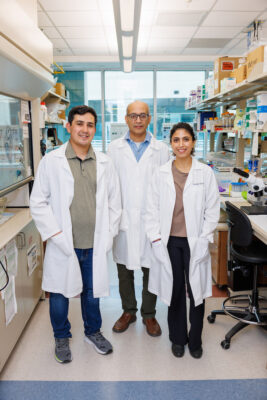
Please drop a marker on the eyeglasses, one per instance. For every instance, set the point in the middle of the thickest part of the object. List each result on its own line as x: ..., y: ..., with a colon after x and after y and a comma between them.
x: 134, y: 117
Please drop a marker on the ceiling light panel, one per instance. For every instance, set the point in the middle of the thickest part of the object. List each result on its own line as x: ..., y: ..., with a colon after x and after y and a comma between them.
x: 75, y: 18
x: 127, y: 65
x: 63, y: 5
x: 215, y: 32
x: 207, y: 43
x: 183, y: 5
x: 127, y: 15
x: 127, y: 46
x: 237, y: 5
x: 179, y: 19
x: 235, y: 19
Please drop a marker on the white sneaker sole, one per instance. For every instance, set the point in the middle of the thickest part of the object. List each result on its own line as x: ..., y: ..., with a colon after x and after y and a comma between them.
x: 87, y: 340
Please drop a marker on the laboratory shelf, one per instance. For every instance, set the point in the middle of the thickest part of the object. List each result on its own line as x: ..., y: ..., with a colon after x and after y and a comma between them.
x: 241, y: 91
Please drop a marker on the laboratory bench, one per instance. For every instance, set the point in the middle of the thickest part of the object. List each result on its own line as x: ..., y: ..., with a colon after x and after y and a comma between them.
x: 218, y: 249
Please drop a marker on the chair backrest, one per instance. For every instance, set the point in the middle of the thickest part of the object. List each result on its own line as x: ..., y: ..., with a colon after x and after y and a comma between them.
x: 241, y: 229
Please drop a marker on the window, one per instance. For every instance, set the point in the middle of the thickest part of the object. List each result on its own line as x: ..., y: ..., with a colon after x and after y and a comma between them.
x: 120, y: 90
x: 173, y: 87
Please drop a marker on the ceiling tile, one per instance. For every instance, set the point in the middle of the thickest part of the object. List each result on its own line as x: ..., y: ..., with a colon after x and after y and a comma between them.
x: 147, y: 18
x: 180, y: 19
x: 161, y: 42
x: 226, y: 19
x: 60, y: 43
x: 155, y: 50
x: 80, y: 32
x: 68, y: 18
x: 149, y: 5
x: 97, y: 51
x: 51, y: 33
x: 237, y: 52
x: 183, y: 5
x: 240, y: 5
x: 106, y: 5
x: 85, y: 43
x: 172, y: 31
x: 214, y: 32
x: 63, y: 5
x: 62, y: 52
x: 202, y: 52
x: 43, y: 20
x: 207, y: 43
x: 232, y: 43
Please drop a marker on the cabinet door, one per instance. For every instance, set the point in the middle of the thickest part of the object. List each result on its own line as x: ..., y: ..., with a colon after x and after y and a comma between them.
x: 31, y: 287
x: 28, y: 291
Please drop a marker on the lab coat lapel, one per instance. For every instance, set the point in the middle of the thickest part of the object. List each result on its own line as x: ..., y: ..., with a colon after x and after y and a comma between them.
x: 126, y: 150
x: 195, y: 175
x: 100, y: 166
x: 166, y: 169
x: 60, y: 153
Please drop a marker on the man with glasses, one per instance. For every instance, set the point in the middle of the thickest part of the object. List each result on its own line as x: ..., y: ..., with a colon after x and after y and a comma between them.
x: 135, y: 156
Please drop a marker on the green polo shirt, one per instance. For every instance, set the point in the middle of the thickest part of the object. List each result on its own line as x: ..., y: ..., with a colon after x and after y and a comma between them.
x: 83, y: 206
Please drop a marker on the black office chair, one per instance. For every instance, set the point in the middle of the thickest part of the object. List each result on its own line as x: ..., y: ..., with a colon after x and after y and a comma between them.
x: 242, y: 250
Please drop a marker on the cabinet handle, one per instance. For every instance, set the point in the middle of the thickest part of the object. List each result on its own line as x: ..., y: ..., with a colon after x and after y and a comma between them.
x: 21, y: 240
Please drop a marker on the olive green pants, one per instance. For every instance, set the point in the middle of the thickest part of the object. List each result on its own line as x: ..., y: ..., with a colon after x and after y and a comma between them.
x: 127, y: 293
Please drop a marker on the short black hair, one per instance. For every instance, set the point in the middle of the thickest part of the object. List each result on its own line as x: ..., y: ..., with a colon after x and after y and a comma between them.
x: 81, y: 110
x: 187, y: 127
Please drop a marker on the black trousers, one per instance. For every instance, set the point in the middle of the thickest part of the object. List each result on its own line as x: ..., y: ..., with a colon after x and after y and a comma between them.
x: 179, y: 253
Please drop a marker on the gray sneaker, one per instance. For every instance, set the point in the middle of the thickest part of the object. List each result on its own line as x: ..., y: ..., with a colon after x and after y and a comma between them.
x: 101, y: 345
x: 62, y: 350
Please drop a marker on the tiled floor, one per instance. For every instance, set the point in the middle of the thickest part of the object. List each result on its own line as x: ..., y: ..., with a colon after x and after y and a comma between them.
x: 140, y: 366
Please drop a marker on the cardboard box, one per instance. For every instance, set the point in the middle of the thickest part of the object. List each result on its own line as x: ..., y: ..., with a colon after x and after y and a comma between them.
x: 240, y: 73
x: 60, y: 89
x: 255, y: 61
x: 223, y: 68
x: 61, y: 114
x: 227, y: 84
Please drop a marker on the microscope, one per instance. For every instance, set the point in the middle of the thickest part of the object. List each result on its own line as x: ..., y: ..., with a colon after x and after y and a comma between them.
x: 257, y: 193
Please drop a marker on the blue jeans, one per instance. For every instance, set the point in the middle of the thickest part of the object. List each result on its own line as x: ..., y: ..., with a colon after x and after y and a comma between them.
x: 59, y: 305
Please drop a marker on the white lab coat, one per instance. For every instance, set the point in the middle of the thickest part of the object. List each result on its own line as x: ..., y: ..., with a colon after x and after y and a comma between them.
x: 50, y: 202
x: 201, y: 210
x: 131, y: 247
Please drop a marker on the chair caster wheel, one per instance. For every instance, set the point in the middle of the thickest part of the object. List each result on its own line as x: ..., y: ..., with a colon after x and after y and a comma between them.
x: 211, y: 318
x: 225, y: 344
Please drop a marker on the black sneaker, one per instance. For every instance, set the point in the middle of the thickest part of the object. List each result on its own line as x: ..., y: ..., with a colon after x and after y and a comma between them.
x: 177, y: 350
x: 196, y: 353
x: 62, y: 350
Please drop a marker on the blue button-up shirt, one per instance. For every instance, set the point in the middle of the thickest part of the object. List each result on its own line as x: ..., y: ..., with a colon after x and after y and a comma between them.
x: 138, y: 150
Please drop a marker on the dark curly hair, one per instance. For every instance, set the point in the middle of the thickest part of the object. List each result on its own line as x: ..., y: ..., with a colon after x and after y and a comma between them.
x: 188, y: 128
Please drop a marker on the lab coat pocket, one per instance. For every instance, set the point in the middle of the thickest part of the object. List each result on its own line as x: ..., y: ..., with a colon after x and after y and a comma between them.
x: 202, y: 250
x: 159, y: 251
x: 61, y: 243
x: 124, y: 221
